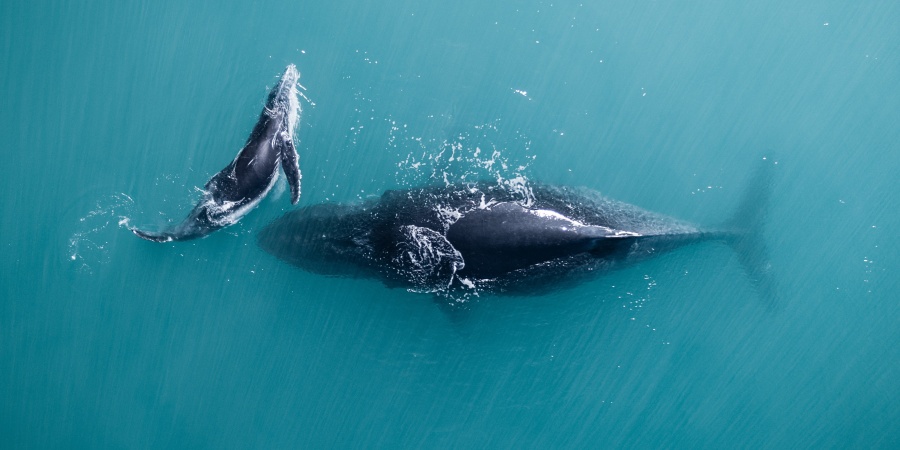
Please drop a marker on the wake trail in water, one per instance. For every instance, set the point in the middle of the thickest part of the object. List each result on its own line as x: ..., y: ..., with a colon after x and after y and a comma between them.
x: 88, y: 246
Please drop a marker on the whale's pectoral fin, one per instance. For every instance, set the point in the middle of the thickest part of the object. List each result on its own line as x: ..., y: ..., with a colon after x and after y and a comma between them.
x: 426, y: 258
x: 290, y: 163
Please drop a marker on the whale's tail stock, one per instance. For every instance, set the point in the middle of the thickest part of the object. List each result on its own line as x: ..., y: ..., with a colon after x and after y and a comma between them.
x: 154, y: 236
x: 196, y: 225
x: 744, y: 231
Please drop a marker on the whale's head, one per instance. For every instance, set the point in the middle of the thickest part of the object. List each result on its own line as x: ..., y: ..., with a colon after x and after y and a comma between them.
x: 287, y: 86
x: 283, y: 101
x: 324, y: 238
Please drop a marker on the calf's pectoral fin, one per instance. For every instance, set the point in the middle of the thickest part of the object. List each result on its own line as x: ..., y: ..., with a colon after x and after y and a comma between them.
x: 290, y: 163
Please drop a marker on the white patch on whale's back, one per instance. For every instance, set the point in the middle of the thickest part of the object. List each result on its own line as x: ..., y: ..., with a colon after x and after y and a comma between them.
x: 427, y: 259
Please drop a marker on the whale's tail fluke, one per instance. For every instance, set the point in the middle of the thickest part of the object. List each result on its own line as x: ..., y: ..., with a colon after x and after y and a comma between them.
x: 744, y: 231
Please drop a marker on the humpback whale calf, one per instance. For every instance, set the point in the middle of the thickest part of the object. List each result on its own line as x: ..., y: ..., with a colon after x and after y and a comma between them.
x: 491, y: 237
x: 239, y: 187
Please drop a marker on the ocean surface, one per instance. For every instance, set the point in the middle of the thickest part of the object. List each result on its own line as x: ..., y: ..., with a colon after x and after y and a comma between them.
x: 115, y: 113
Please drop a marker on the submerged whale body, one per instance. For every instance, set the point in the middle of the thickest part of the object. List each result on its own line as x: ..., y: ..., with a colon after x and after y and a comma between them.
x: 239, y: 187
x: 489, y: 237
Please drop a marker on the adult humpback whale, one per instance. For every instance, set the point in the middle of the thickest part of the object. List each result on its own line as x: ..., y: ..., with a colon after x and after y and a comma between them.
x: 489, y: 237
x: 239, y: 187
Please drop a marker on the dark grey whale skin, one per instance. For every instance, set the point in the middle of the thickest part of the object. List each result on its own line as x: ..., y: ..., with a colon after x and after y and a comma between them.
x: 487, y: 237
x: 236, y: 189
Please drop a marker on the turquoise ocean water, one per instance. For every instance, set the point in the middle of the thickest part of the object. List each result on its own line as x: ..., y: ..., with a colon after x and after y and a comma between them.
x: 113, y: 112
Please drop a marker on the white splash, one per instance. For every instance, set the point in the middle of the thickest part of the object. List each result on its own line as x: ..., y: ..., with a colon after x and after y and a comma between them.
x: 88, y: 246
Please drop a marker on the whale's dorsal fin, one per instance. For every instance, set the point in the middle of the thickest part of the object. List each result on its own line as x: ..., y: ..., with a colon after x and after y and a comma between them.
x: 290, y: 163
